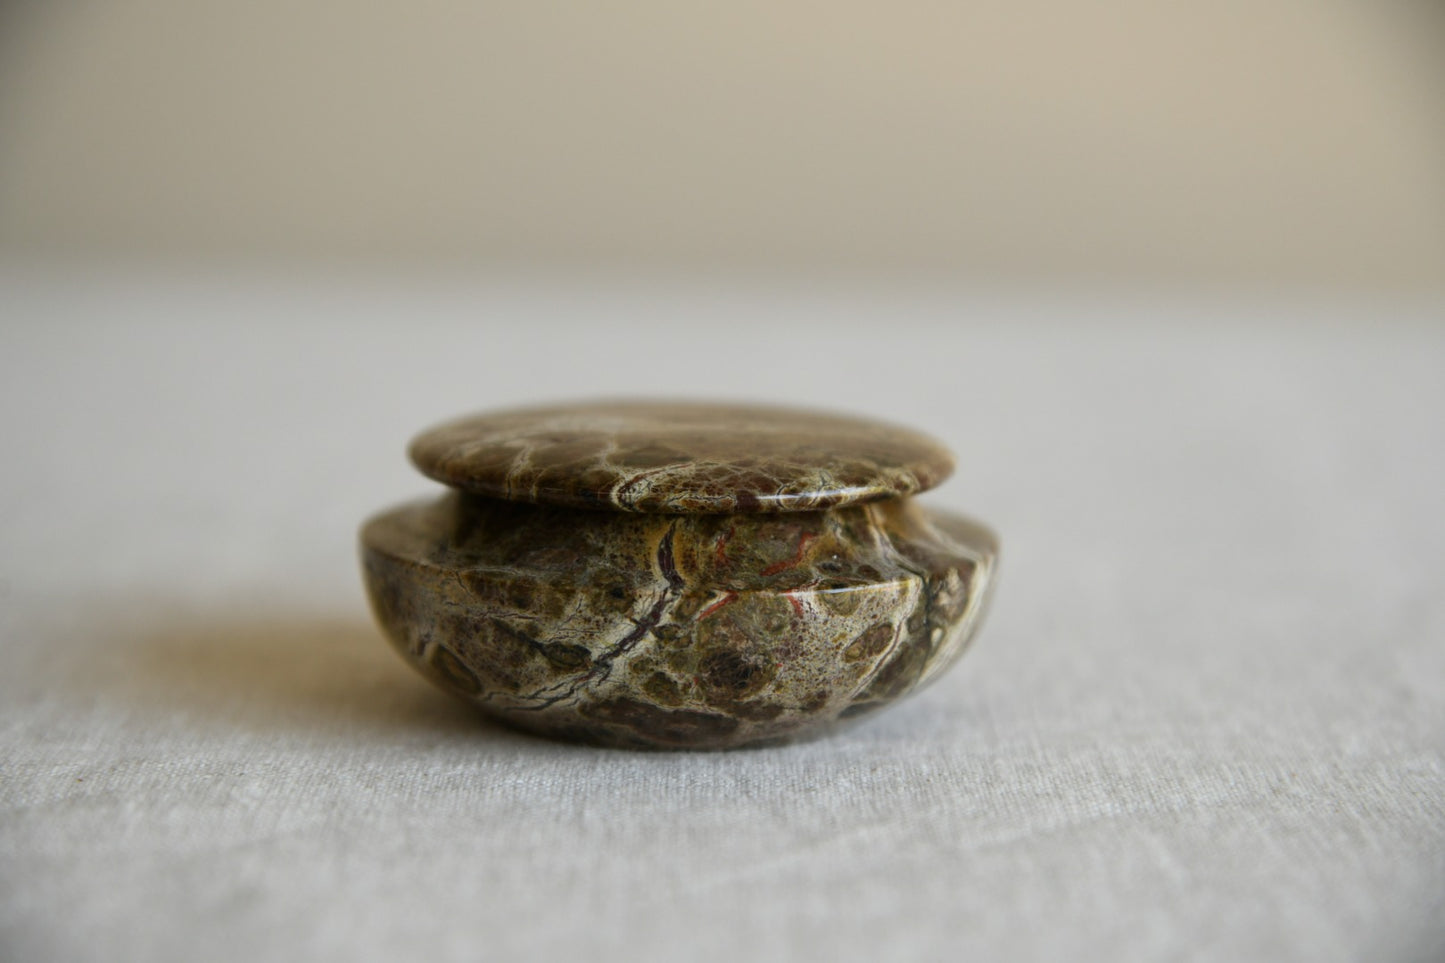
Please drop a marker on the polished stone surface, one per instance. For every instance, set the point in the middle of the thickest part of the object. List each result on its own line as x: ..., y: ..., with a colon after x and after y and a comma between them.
x: 668, y: 631
x: 680, y: 457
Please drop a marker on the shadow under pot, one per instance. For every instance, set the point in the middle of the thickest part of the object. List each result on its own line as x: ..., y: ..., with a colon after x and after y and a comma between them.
x: 755, y: 575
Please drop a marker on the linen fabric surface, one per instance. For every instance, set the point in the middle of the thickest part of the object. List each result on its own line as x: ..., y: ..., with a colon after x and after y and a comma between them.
x: 1205, y: 719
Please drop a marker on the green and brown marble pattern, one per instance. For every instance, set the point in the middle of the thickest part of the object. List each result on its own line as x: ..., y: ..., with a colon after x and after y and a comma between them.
x: 680, y: 457
x: 683, y: 630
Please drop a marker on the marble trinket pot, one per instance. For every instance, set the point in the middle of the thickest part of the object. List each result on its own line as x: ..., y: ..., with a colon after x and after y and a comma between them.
x: 677, y: 574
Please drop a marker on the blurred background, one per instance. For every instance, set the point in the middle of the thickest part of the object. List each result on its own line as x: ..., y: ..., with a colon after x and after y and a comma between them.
x: 1289, y: 143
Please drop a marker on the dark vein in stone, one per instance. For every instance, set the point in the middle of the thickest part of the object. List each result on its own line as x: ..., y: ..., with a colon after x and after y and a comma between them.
x: 601, y: 667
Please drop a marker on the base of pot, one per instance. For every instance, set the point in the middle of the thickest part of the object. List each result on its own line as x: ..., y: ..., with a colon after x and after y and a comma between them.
x: 676, y: 631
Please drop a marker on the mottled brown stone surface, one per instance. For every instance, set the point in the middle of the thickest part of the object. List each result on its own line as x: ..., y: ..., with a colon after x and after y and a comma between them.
x: 688, y: 630
x: 677, y: 574
x: 680, y: 457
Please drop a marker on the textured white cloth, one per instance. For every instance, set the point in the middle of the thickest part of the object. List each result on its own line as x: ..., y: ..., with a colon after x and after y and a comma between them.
x: 1206, y: 720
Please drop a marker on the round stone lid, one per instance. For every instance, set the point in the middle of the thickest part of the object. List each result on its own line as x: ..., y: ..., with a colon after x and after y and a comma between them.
x: 683, y: 457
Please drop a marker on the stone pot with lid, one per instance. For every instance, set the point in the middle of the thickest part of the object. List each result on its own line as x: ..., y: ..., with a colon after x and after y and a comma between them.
x: 654, y: 574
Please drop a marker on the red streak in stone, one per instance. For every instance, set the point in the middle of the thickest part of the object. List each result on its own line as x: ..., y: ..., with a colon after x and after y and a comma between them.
x: 797, y: 605
x: 727, y: 597
x: 777, y: 567
x: 722, y: 545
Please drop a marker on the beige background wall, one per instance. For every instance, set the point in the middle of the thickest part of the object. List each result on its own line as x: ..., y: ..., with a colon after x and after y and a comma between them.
x: 1276, y: 141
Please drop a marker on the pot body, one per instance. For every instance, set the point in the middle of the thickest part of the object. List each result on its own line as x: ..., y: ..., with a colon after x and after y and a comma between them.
x: 676, y: 631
